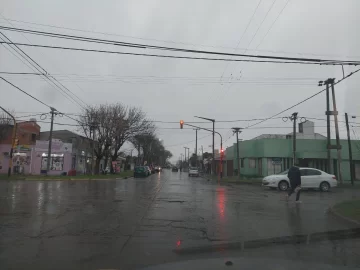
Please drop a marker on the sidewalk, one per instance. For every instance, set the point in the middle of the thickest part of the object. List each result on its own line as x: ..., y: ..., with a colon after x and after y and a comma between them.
x: 121, y: 175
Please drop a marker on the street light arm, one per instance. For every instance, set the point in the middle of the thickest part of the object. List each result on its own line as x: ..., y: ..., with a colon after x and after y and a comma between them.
x: 209, y: 119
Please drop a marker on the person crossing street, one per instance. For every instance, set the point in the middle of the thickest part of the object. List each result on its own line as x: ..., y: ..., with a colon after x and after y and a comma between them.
x: 294, y: 176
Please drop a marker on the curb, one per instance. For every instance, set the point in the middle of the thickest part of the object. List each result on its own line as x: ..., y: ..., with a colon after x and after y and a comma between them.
x: 290, y: 239
x: 73, y: 179
x: 335, y: 213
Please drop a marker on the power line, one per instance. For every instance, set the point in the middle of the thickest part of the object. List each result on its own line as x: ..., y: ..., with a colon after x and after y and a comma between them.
x: 164, y: 41
x: 314, y: 95
x: 148, y: 46
x: 26, y: 93
x: 257, y: 30
x: 271, y: 26
x: 183, y: 57
x: 186, y: 142
x: 30, y: 42
x: 34, y: 64
x: 242, y: 35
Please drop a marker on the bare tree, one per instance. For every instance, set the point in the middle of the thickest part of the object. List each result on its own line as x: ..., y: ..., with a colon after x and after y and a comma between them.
x: 130, y: 122
x: 98, y: 122
x: 5, y: 125
x: 152, y: 148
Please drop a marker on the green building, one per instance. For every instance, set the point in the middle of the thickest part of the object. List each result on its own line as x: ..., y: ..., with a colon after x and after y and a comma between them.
x: 272, y: 153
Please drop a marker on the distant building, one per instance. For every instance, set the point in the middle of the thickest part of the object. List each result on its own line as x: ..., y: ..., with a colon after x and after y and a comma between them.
x: 272, y: 153
x: 27, y: 134
x: 81, y: 148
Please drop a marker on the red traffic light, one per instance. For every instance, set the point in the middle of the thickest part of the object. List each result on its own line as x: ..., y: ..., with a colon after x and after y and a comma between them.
x: 181, y: 124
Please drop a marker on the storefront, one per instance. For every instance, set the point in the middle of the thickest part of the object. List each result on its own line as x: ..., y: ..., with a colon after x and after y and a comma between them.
x: 60, y: 161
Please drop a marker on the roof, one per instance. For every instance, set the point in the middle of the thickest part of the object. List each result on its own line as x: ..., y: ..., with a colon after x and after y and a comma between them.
x: 64, y: 132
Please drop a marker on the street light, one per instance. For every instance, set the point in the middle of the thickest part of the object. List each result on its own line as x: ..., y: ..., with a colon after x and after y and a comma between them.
x: 221, y: 146
x: 213, y: 142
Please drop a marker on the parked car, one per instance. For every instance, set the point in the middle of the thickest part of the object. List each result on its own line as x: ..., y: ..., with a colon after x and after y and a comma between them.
x: 310, y: 178
x: 193, y: 171
x: 152, y: 169
x: 141, y: 171
x: 174, y: 169
x: 148, y: 169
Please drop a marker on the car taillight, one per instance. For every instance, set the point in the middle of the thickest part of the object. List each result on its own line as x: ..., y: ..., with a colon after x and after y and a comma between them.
x: 334, y: 177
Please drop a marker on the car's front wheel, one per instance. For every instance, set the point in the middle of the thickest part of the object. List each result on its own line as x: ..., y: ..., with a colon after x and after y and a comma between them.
x: 283, y: 185
x: 324, y: 187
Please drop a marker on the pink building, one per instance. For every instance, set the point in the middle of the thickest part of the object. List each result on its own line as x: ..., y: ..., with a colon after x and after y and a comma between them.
x: 61, y: 157
x: 32, y: 159
x: 21, y: 159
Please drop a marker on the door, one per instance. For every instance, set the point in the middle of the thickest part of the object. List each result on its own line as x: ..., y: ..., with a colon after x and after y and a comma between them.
x: 311, y: 178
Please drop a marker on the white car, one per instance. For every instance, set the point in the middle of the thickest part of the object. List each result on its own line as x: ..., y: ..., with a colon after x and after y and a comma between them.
x: 310, y: 178
x: 193, y: 171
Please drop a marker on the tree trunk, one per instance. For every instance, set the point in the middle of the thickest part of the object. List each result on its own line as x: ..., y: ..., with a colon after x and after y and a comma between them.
x: 97, y: 166
x: 113, y: 158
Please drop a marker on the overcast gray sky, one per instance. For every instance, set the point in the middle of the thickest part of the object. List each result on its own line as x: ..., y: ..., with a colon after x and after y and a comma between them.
x: 174, y: 89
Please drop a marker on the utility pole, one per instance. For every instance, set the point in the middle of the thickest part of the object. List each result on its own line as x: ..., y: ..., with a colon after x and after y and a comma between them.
x: 328, y: 133
x: 334, y: 112
x: 196, y: 130
x: 213, y: 142
x: 52, y: 112
x: 237, y: 131
x: 350, y: 151
x: 13, y: 138
x: 338, y: 148
x: 293, y: 118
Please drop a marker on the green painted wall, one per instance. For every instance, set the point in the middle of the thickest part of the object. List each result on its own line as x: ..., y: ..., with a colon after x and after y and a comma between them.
x: 263, y: 149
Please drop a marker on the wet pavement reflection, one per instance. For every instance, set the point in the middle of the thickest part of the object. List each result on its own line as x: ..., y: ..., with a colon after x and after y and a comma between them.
x: 136, y: 222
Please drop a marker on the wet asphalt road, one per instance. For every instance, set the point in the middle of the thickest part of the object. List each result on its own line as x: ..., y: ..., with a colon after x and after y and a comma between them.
x: 137, y: 222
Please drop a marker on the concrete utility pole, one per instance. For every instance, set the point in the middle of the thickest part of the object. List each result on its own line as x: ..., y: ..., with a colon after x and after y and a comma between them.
x: 52, y: 112
x: 335, y: 112
x: 13, y: 138
x: 213, y: 142
x: 93, y: 128
x: 328, y: 133
x: 293, y: 118
x: 196, y: 130
x: 237, y: 131
x: 331, y: 82
x: 350, y: 151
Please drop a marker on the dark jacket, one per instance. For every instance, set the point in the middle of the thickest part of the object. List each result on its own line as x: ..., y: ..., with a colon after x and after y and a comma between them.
x: 294, y: 176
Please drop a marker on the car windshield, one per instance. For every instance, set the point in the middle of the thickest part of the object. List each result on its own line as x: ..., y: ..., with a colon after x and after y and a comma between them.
x: 139, y: 133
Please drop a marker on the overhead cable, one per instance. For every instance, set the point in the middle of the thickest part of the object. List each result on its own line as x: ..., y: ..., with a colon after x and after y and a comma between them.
x: 148, y: 46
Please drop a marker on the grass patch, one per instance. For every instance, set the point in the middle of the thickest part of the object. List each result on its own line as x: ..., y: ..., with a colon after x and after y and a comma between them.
x: 58, y: 177
x: 349, y: 209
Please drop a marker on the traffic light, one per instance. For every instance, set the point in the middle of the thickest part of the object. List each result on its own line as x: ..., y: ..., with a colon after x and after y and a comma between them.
x: 181, y: 124
x: 222, y: 151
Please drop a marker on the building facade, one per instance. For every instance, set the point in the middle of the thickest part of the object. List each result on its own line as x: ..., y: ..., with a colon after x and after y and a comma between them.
x: 27, y: 133
x: 81, y: 148
x: 265, y: 155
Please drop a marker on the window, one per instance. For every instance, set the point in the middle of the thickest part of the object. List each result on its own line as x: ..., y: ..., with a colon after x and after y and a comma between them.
x: 33, y: 137
x: 302, y: 172
x: 309, y: 172
x: 242, y: 163
x: 56, y: 162
x: 252, y: 163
